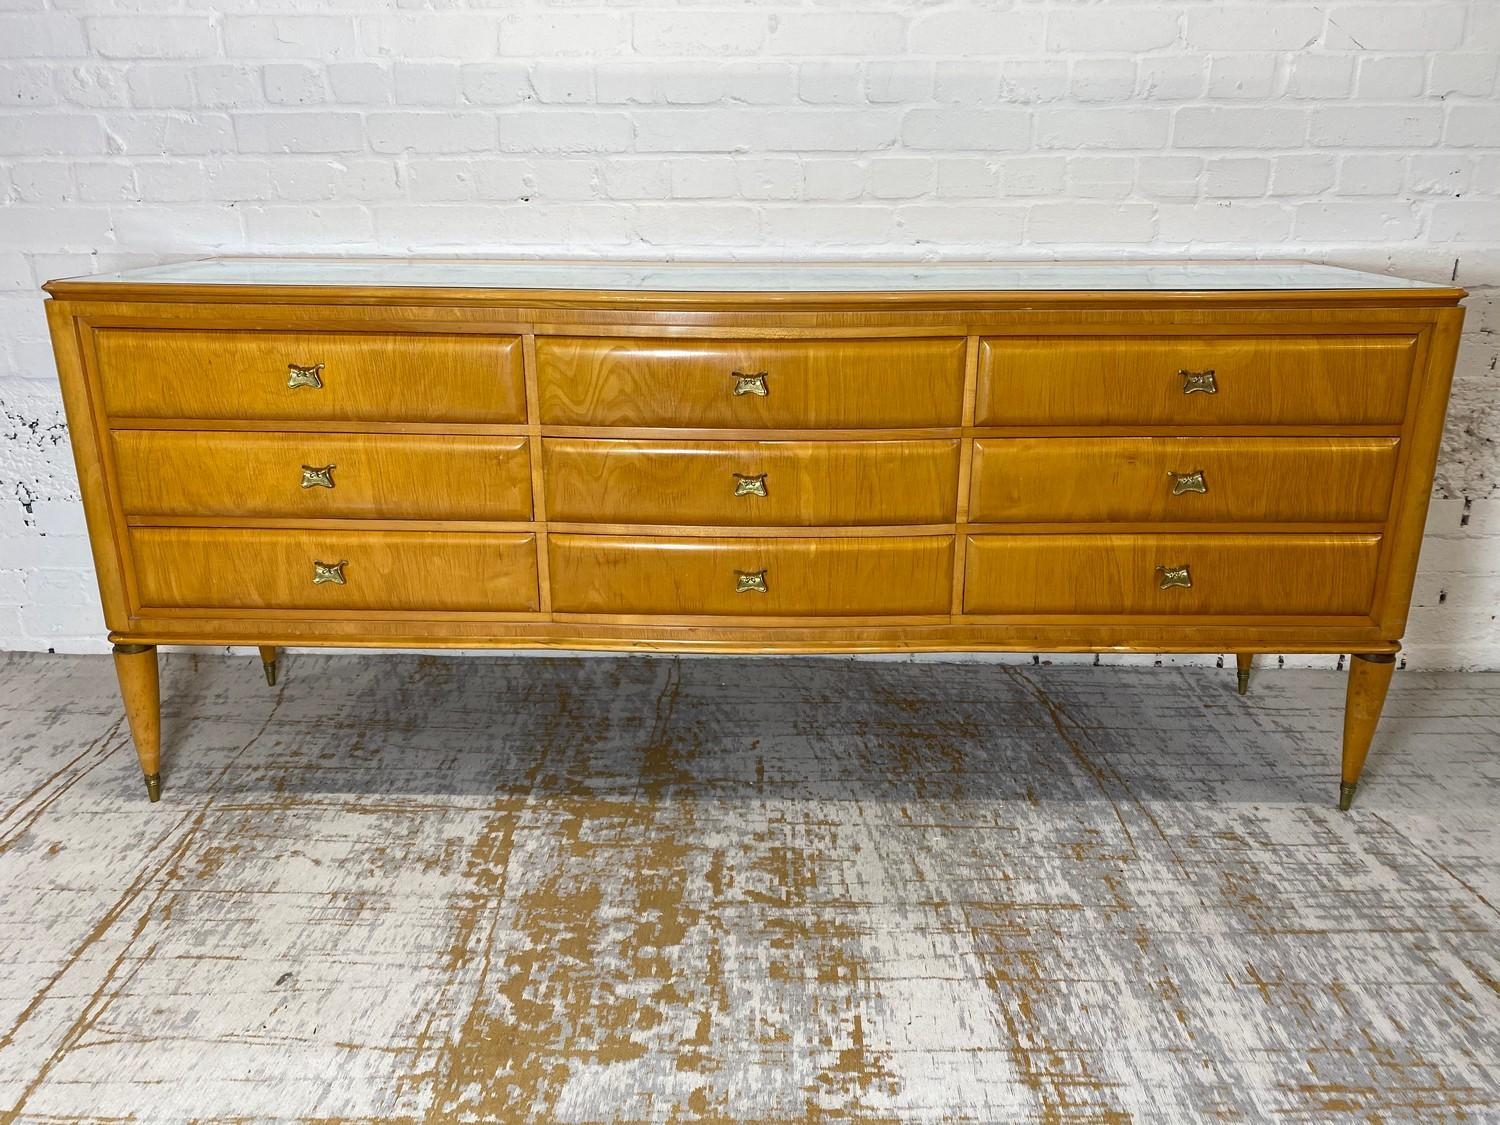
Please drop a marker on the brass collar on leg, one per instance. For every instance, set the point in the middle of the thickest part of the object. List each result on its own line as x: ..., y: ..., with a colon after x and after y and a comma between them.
x: 153, y: 787
x: 1346, y: 794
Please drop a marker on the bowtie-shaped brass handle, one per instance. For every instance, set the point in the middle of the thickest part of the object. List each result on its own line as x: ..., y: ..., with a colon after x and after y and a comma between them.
x: 1193, y: 381
x: 1169, y: 576
x: 752, y: 384
x: 750, y: 484
x: 750, y: 582
x: 313, y: 477
x: 329, y: 573
x: 1187, y: 482
x: 298, y: 375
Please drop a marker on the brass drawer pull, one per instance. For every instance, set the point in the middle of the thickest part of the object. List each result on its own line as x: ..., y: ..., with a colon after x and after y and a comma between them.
x: 313, y: 477
x: 324, y: 573
x: 1187, y: 482
x: 750, y: 484
x: 754, y: 384
x: 300, y: 376
x: 1170, y: 576
x: 750, y: 582
x: 1199, y: 381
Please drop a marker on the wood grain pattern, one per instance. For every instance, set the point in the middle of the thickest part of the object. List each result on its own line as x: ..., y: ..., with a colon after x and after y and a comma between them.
x: 207, y: 473
x: 1046, y: 423
x: 1369, y: 679
x: 809, y: 383
x: 1118, y: 574
x: 140, y: 692
x: 1413, y: 492
x: 805, y: 483
x: 87, y: 430
x: 1103, y: 380
x: 413, y: 377
x: 615, y: 574
x: 1023, y: 633
x: 1130, y: 479
x: 200, y: 568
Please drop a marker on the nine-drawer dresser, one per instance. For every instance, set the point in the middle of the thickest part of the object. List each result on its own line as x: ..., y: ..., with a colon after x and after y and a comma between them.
x: 1151, y: 457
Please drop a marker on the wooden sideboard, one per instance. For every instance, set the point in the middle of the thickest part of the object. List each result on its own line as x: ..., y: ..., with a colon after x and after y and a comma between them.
x: 1126, y: 457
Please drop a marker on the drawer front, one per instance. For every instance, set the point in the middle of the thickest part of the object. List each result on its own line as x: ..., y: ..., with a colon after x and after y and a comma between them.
x: 761, y: 384
x: 313, y: 376
x: 1193, y: 380
x: 242, y: 569
x: 1331, y: 575
x: 314, y: 475
x: 888, y: 576
x: 1171, y: 480
x: 745, y: 483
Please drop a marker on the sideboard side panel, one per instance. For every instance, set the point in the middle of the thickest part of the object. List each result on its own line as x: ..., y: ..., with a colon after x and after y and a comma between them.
x: 85, y: 430
x: 1413, y: 494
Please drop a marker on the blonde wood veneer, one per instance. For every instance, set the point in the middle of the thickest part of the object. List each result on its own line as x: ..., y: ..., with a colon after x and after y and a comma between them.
x: 809, y: 384
x: 1291, y: 480
x: 749, y: 483
x: 413, y: 377
x: 616, y: 574
x: 1137, y: 380
x: 214, y: 473
x: 1065, y: 411
x: 208, y: 568
x: 1119, y: 574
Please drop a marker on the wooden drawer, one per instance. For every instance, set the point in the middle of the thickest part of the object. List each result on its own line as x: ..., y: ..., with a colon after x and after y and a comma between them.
x: 377, y: 476
x: 1170, y: 480
x: 1330, y: 575
x: 744, y: 483
x: 148, y: 373
x: 887, y: 576
x: 1141, y: 380
x: 384, y: 570
x: 806, y: 384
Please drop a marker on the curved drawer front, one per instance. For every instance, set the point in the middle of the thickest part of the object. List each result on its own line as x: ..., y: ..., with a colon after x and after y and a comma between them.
x: 888, y: 576
x: 1171, y: 480
x: 745, y: 483
x: 334, y: 570
x: 149, y: 373
x: 761, y: 384
x: 314, y: 475
x: 1193, y: 380
x: 1325, y: 575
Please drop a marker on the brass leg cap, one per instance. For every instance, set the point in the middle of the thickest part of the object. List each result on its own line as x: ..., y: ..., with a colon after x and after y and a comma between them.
x: 1242, y: 684
x: 270, y: 667
x: 153, y: 786
x: 1346, y: 794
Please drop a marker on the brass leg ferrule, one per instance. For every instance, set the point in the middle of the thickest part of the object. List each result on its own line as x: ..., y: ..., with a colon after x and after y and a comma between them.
x: 153, y: 787
x: 1346, y: 794
x: 270, y: 667
x: 1242, y: 681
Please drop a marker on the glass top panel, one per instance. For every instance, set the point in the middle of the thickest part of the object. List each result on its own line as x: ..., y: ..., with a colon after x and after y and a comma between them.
x: 761, y: 277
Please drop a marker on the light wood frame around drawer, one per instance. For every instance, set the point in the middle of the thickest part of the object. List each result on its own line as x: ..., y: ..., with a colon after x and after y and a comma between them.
x: 1427, y: 318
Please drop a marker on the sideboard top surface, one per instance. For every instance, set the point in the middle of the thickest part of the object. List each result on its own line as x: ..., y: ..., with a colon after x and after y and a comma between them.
x: 640, y: 279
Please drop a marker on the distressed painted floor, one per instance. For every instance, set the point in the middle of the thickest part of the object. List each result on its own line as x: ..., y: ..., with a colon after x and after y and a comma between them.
x: 404, y: 888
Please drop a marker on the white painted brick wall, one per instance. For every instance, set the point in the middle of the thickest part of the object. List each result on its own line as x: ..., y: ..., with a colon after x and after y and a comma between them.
x: 1361, y: 132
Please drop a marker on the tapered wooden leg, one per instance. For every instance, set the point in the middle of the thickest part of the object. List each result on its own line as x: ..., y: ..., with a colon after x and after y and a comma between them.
x: 141, y: 690
x: 1242, y: 669
x: 1369, y: 677
x: 268, y: 662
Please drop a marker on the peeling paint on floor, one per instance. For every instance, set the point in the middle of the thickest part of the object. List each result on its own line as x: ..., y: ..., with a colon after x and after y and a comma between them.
x: 424, y: 889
